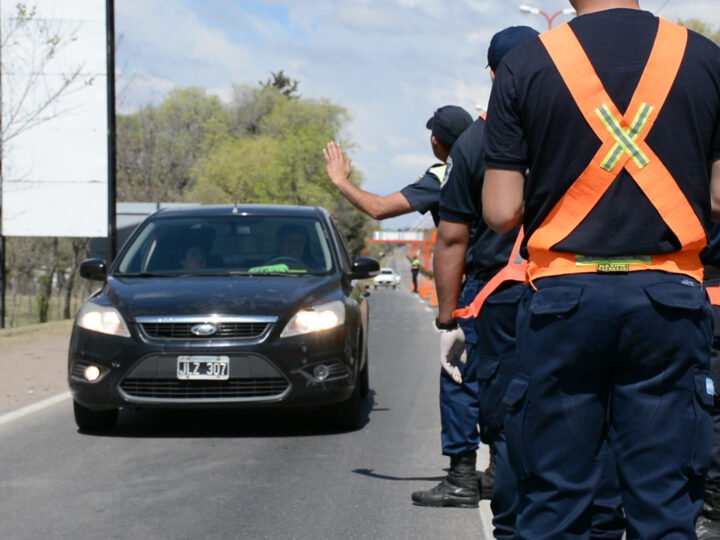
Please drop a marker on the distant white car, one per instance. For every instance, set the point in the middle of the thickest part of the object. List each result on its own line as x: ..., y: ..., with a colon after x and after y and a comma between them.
x: 387, y: 277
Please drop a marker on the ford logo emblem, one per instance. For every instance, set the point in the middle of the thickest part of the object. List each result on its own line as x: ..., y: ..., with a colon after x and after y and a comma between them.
x: 205, y: 329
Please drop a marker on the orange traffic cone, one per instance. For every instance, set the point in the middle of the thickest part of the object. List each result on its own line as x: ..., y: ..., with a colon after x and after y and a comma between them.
x: 433, y: 297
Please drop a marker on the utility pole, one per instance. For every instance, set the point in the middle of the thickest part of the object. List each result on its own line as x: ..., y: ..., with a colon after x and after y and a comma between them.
x: 3, y: 269
x: 111, y: 134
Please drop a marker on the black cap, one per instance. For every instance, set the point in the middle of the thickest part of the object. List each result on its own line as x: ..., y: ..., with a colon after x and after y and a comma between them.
x: 506, y: 40
x: 448, y: 123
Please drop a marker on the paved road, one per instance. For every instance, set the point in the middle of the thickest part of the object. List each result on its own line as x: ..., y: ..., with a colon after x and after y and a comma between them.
x: 245, y: 476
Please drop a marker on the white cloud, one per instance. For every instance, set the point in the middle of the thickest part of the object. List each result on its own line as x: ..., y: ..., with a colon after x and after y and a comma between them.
x: 416, y: 163
x: 389, y: 62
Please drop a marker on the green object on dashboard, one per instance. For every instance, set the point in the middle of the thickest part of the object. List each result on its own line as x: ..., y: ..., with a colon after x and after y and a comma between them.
x: 270, y: 268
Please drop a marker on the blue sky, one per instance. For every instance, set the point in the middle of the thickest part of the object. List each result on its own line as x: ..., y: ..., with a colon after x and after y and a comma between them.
x: 391, y: 63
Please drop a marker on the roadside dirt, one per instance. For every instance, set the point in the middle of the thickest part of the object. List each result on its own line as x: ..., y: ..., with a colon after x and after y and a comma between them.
x: 33, y: 364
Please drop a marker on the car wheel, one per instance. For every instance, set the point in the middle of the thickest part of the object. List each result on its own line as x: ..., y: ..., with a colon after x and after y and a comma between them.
x: 89, y: 420
x: 364, y: 381
x: 348, y: 414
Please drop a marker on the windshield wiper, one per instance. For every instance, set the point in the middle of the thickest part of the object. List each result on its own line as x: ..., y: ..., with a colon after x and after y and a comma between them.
x: 144, y: 274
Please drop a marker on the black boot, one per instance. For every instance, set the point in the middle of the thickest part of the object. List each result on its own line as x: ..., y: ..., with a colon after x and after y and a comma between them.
x: 708, y: 524
x: 486, y: 478
x: 459, y: 489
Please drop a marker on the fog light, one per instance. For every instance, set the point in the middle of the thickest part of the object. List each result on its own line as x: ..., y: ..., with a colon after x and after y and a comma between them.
x: 91, y: 373
x: 321, y: 372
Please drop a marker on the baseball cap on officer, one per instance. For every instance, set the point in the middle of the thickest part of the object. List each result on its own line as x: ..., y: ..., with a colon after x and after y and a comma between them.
x: 506, y: 40
x: 448, y: 123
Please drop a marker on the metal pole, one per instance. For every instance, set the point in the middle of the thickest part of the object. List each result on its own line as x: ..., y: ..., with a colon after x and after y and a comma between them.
x: 112, y: 147
x: 3, y: 270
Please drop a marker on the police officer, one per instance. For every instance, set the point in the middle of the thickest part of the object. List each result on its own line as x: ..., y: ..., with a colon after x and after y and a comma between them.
x: 466, y: 247
x: 415, y: 270
x: 446, y: 125
x: 493, y: 333
x: 616, y: 116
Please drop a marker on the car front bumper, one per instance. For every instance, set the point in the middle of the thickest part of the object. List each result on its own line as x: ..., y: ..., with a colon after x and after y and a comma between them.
x: 140, y: 372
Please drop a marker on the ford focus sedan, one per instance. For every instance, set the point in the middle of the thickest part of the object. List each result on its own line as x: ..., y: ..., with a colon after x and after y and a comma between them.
x: 237, y: 306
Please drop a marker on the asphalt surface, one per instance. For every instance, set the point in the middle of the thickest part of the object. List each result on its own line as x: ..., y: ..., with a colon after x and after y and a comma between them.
x: 261, y: 475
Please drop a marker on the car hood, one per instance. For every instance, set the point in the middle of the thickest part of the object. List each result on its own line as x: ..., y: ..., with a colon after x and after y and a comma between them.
x: 238, y: 295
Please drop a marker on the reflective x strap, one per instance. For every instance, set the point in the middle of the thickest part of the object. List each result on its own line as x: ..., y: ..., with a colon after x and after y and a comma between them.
x: 625, y: 138
x: 628, y: 131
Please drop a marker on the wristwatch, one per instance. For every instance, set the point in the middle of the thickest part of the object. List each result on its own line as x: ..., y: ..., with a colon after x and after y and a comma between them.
x: 452, y: 325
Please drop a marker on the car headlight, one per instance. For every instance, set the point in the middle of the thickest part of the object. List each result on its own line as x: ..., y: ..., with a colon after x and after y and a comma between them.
x: 103, y: 319
x: 315, y: 319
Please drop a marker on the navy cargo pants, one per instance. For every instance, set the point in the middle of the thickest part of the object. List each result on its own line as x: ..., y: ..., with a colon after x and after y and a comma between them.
x: 497, y: 366
x: 712, y: 487
x: 618, y: 356
x: 459, y: 402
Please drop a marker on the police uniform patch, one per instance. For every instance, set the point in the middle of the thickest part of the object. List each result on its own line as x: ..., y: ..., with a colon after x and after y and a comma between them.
x: 448, y: 169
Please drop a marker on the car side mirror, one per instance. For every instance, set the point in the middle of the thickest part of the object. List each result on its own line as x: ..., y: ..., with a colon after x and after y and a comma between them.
x: 364, y: 267
x: 93, y: 269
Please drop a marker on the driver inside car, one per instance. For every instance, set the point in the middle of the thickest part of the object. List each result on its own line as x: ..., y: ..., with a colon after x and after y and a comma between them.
x: 293, y: 243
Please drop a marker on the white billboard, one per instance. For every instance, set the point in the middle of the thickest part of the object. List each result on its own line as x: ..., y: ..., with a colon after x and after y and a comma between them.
x: 54, y: 118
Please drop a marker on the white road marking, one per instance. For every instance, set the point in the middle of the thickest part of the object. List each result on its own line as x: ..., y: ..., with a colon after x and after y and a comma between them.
x: 33, y: 408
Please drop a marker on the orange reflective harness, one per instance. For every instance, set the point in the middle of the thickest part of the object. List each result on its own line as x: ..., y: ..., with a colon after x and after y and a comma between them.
x: 624, y: 147
x: 514, y: 271
x: 714, y: 294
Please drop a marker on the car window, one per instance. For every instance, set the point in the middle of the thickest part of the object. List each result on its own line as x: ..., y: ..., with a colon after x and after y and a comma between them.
x: 228, y: 244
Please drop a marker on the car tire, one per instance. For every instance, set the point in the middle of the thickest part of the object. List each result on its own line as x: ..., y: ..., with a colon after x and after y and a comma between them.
x: 90, y: 420
x: 348, y: 414
x: 364, y: 377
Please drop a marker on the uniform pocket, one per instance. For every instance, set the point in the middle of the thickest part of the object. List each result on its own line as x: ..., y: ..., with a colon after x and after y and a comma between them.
x: 487, y: 368
x: 703, y: 406
x: 557, y: 301
x: 515, y: 403
x: 677, y: 296
x: 511, y: 295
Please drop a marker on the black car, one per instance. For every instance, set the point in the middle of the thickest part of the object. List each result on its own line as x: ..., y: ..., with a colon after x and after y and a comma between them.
x: 233, y: 306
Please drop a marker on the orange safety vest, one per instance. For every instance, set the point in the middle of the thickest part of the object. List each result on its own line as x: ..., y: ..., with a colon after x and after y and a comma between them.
x: 515, y: 270
x: 624, y: 147
x: 714, y: 294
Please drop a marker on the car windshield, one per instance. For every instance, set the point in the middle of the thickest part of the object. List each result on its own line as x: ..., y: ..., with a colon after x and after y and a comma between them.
x: 386, y: 271
x: 235, y: 244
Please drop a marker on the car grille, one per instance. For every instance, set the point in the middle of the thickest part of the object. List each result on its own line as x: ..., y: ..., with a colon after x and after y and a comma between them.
x: 231, y: 389
x: 226, y: 330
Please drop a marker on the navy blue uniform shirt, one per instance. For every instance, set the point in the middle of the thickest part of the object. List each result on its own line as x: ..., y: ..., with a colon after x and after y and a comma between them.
x: 711, y: 255
x: 534, y: 123
x: 460, y: 202
x: 424, y: 194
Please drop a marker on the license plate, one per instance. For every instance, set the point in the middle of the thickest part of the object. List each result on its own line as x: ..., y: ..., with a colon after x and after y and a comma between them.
x: 203, y: 368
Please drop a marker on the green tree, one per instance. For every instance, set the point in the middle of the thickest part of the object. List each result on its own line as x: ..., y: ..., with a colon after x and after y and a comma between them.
x: 282, y: 83
x: 703, y: 28
x: 158, y: 146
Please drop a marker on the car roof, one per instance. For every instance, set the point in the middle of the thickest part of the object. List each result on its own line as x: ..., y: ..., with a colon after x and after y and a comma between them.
x: 243, y: 209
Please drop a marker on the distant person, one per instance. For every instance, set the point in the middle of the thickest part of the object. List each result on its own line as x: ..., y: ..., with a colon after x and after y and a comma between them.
x: 415, y: 269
